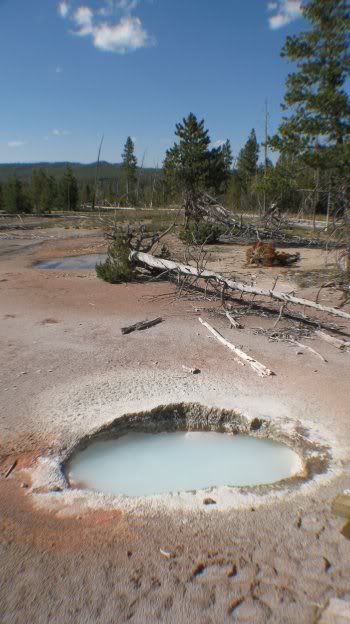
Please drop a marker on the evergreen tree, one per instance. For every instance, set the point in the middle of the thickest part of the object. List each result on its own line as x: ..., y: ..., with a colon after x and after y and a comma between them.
x: 234, y: 192
x: 1, y: 199
x: 49, y: 194
x: 227, y: 155
x: 14, y: 197
x: 86, y: 194
x: 190, y: 166
x: 318, y: 128
x: 129, y: 169
x: 191, y: 154
x: 220, y: 165
x: 68, y: 192
x: 42, y: 191
x: 247, y: 162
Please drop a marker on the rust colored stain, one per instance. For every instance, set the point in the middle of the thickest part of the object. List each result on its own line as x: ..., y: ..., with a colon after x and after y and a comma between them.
x: 21, y: 522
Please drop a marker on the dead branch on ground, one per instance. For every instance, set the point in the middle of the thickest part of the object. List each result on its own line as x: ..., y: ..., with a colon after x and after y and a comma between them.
x: 141, y: 326
x: 151, y: 262
x: 259, y: 368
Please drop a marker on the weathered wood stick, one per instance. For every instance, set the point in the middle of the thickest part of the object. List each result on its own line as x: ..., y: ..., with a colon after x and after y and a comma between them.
x: 260, y: 369
x: 141, y: 326
x: 233, y: 321
x: 11, y: 468
x: 310, y: 349
x: 185, y: 269
x: 339, y: 344
x: 193, y: 371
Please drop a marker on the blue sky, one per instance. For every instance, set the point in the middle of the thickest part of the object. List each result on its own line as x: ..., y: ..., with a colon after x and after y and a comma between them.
x: 73, y: 70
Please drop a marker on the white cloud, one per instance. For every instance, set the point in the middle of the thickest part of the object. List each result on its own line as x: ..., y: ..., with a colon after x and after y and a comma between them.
x: 63, y: 8
x: 286, y: 11
x: 126, y: 36
x: 15, y: 143
x: 58, y: 133
x: 83, y: 17
x: 127, y: 5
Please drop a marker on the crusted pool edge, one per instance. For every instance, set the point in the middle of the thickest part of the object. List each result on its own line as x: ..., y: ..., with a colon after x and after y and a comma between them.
x: 50, y: 482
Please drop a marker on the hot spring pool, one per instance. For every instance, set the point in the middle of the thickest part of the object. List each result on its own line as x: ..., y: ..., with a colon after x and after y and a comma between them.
x: 144, y: 464
x: 87, y: 261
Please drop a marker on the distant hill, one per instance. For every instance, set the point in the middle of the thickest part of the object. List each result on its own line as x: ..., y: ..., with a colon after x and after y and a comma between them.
x: 83, y: 173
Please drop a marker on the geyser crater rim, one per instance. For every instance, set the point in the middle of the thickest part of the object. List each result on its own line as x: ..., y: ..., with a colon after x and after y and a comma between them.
x: 316, y: 457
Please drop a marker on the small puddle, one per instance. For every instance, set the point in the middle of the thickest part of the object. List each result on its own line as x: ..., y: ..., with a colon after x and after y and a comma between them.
x: 87, y: 261
x: 143, y: 464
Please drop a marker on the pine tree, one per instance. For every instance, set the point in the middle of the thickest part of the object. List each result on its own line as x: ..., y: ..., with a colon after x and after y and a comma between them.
x: 14, y: 198
x: 86, y: 194
x: 129, y: 169
x: 49, y: 194
x: 227, y: 155
x: 318, y: 128
x: 42, y: 191
x: 191, y: 154
x: 68, y: 192
x: 247, y: 162
x: 191, y: 167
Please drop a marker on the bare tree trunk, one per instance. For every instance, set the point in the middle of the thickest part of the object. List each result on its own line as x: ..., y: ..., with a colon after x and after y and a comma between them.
x: 97, y: 173
x: 152, y: 262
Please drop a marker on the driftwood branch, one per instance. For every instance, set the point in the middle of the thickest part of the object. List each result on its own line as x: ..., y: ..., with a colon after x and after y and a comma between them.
x: 11, y: 468
x: 260, y: 369
x: 233, y: 321
x: 338, y: 344
x: 185, y: 269
x: 310, y: 349
x: 140, y: 326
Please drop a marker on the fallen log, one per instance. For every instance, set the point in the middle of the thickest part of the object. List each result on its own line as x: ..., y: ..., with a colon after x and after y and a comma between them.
x: 141, y: 326
x: 338, y: 344
x: 260, y: 369
x: 152, y: 262
x: 310, y: 349
x: 233, y: 321
x: 193, y: 371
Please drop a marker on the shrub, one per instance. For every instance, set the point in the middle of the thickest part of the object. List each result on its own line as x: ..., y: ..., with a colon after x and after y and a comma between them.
x: 164, y: 253
x: 202, y: 233
x: 117, y: 267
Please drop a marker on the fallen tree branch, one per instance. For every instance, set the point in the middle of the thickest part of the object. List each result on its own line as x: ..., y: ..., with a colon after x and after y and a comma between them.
x: 338, y: 344
x: 260, y: 369
x: 310, y: 349
x: 185, y: 269
x: 233, y: 321
x: 140, y: 326
x: 11, y: 468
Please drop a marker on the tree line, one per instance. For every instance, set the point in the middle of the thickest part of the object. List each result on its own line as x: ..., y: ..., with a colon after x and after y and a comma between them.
x: 43, y: 194
x: 310, y: 169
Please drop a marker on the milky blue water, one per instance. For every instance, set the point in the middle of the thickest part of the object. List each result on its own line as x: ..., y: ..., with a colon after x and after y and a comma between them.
x: 87, y: 261
x: 141, y: 464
